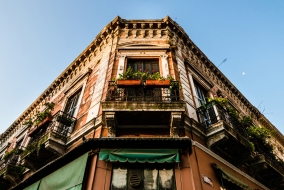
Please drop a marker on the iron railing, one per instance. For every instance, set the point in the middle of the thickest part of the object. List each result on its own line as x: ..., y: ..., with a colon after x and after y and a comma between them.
x: 10, y: 160
x: 142, y: 93
x: 60, y: 125
x: 212, y: 112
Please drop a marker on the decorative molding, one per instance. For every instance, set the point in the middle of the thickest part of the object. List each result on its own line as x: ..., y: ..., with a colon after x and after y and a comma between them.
x: 110, y: 121
x: 175, y: 122
x: 77, y: 79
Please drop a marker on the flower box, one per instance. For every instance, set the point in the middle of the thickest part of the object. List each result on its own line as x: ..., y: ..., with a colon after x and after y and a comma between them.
x: 128, y: 83
x: 39, y: 126
x: 157, y: 83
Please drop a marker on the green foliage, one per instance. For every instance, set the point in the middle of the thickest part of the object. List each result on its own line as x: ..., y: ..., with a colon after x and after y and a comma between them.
x: 156, y: 76
x: 35, y: 146
x: 220, y: 100
x: 28, y: 122
x: 141, y: 75
x: 233, y: 112
x: 10, y: 153
x: 260, y: 136
x: 40, y: 116
x: 260, y: 133
x: 251, y: 146
x: 128, y: 74
x: 246, y: 121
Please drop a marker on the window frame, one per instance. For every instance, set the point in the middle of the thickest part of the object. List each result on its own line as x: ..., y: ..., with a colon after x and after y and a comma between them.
x: 144, y: 60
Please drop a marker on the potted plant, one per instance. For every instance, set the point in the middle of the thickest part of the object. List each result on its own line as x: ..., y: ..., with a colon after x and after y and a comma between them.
x: 42, y: 118
x: 157, y: 81
x: 128, y: 79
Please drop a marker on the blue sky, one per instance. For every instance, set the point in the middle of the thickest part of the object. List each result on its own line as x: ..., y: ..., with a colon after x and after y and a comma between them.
x: 39, y: 39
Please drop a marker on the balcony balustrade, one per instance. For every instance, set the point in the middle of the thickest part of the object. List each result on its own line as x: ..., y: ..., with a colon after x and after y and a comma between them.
x: 10, y: 170
x: 142, y: 98
x: 228, y: 137
x: 48, y: 141
x: 143, y: 93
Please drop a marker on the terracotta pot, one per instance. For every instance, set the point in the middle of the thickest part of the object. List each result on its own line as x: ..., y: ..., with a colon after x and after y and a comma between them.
x: 128, y: 83
x: 39, y: 126
x: 158, y: 83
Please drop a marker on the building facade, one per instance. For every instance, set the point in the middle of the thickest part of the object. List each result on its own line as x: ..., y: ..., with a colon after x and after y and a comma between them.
x: 176, y: 123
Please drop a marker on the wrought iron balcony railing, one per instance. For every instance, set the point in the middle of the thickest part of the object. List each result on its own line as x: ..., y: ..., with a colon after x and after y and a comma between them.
x: 143, y: 93
x: 10, y: 162
x: 61, y: 125
x: 211, y: 113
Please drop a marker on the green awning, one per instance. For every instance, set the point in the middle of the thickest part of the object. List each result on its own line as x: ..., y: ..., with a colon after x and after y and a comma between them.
x: 34, y: 186
x: 140, y: 155
x: 230, y: 177
x: 68, y: 177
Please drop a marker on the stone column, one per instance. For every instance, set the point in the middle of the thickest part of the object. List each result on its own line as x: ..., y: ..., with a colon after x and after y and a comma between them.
x: 120, y: 67
x: 175, y: 123
x: 110, y: 123
x: 165, y: 65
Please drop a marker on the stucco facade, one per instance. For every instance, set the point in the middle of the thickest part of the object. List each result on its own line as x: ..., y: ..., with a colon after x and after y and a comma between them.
x: 180, y: 136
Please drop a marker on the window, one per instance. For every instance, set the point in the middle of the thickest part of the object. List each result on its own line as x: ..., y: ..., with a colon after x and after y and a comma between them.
x: 144, y: 64
x: 143, y: 177
x: 200, y: 93
x: 72, y: 103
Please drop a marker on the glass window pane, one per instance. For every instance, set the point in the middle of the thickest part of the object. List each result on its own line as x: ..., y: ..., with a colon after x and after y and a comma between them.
x: 119, y: 177
x: 144, y: 64
x: 72, y: 103
x: 150, y: 179
x: 166, y: 179
x: 139, y: 66
x: 147, y: 67
x: 155, y: 67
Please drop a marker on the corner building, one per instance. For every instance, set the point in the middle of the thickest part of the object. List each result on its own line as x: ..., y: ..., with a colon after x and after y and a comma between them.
x: 87, y: 131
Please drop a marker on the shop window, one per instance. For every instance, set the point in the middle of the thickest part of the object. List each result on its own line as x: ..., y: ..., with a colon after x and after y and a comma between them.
x: 143, y: 177
x: 72, y: 103
x: 144, y: 64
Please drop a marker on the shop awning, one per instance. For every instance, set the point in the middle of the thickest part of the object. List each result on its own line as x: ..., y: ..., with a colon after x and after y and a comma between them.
x: 230, y: 177
x: 68, y: 177
x: 34, y: 186
x: 140, y: 155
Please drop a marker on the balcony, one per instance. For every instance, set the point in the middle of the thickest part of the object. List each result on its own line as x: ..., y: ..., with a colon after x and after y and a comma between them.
x: 225, y: 134
x: 10, y: 170
x: 227, y: 137
x: 155, y: 108
x: 143, y: 98
x: 47, y: 140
